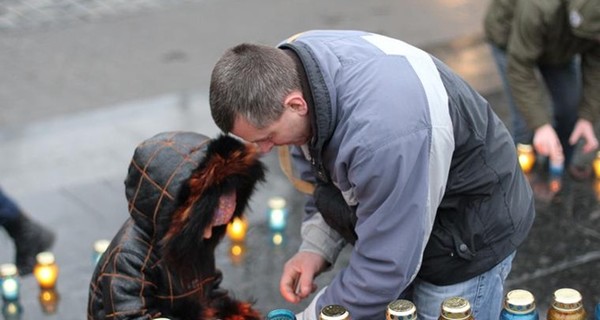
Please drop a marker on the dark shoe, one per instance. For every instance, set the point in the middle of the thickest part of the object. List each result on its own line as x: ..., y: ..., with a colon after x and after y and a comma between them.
x: 580, y: 172
x: 31, y: 240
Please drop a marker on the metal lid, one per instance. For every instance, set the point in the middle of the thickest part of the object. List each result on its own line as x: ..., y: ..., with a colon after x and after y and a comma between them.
x: 567, y: 299
x: 456, y: 308
x: 401, y: 310
x: 8, y: 270
x: 45, y: 258
x: 519, y: 301
x: 277, y: 203
x: 524, y: 147
x: 334, y: 312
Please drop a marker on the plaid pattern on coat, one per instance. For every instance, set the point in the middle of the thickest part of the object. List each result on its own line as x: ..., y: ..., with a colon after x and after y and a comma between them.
x: 158, y: 264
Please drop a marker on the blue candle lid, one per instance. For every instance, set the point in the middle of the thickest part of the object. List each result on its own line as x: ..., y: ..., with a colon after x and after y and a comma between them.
x: 281, y: 314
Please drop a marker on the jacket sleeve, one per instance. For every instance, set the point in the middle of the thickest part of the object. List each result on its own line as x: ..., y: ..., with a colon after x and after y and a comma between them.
x: 525, y: 46
x: 590, y: 66
x: 127, y: 293
x: 392, y: 227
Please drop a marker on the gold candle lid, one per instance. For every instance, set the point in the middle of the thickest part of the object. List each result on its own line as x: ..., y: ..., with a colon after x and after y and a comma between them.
x: 519, y: 301
x: 334, y: 312
x: 276, y: 203
x: 8, y: 270
x: 524, y: 147
x: 45, y: 258
x: 567, y: 299
x: 456, y: 308
x: 401, y: 310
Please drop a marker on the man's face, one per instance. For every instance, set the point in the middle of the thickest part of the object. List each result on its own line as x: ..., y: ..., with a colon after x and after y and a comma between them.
x: 292, y: 128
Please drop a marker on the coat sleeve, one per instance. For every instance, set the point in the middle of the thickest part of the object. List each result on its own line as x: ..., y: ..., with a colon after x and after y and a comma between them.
x: 127, y: 294
x: 525, y: 46
x: 590, y: 66
x: 392, y: 227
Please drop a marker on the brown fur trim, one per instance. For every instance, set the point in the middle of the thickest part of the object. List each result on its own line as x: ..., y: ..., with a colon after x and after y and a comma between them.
x: 217, y: 168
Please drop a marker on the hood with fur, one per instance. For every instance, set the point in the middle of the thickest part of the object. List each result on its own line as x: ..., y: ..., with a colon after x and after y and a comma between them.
x: 174, y: 183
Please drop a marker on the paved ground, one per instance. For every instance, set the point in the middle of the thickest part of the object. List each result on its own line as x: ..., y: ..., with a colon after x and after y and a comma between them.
x: 84, y: 81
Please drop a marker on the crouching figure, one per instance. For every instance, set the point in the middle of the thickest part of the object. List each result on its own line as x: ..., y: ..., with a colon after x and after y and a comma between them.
x: 182, y: 189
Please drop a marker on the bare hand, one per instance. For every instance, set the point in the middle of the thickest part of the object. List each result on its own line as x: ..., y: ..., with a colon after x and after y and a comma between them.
x: 584, y: 130
x: 546, y: 143
x: 297, y: 280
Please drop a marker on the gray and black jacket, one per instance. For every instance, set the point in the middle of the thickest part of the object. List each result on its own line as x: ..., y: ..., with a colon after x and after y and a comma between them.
x: 427, y: 168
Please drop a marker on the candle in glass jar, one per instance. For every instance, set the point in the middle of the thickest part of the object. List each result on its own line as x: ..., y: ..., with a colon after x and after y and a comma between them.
x: 236, y: 229
x: 277, y: 214
x: 46, y: 270
x: 9, y: 282
x: 526, y: 157
x: 100, y: 247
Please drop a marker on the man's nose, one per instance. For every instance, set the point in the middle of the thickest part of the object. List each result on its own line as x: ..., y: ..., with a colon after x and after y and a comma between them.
x: 265, y: 146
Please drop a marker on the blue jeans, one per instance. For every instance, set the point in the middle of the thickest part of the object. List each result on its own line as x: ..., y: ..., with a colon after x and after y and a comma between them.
x: 484, y: 292
x: 565, y: 87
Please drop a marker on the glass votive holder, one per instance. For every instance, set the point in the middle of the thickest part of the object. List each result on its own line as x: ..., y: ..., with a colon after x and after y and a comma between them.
x: 277, y: 214
x: 556, y: 167
x: 236, y: 229
x: 9, y: 282
x: 100, y: 246
x: 526, y: 157
x: 46, y: 270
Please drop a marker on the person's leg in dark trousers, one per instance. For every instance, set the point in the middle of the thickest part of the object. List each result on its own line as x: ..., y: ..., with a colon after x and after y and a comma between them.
x: 565, y: 87
x: 30, y: 238
x: 521, y: 133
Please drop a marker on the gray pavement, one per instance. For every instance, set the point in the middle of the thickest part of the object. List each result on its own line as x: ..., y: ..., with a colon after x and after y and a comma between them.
x: 84, y: 81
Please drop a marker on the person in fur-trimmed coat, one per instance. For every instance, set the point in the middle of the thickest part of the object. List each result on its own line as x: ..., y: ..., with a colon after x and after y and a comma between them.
x: 182, y: 190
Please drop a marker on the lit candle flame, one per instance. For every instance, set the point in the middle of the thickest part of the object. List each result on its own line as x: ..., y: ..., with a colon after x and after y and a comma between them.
x: 237, y: 229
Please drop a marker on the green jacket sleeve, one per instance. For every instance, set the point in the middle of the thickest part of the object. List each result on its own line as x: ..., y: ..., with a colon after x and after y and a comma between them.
x: 590, y: 102
x: 524, y: 48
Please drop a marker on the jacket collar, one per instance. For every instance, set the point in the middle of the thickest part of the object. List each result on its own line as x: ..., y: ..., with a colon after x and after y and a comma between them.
x: 316, y: 93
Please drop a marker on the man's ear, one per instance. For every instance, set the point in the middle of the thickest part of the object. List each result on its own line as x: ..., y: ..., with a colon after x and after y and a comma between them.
x: 295, y: 102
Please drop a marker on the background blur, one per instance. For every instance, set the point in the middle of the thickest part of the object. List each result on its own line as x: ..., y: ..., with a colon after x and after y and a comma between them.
x: 82, y: 82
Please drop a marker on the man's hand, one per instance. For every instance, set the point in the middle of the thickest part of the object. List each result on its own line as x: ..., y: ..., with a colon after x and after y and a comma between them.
x: 584, y: 130
x: 546, y: 143
x: 297, y: 280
